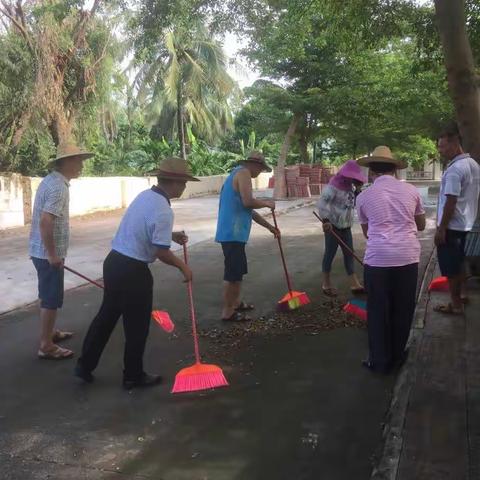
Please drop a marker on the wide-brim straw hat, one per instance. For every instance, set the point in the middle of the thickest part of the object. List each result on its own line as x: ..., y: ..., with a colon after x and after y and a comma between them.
x: 382, y: 154
x: 173, y: 168
x: 70, y: 150
x: 257, y: 157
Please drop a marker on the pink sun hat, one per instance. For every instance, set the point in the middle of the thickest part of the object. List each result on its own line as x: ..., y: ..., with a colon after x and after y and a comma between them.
x: 352, y: 170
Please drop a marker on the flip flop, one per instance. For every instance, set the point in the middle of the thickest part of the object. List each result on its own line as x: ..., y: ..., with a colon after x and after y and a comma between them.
x: 448, y: 309
x: 330, y: 291
x: 245, y: 307
x: 236, y: 317
x: 58, y: 353
x: 59, y: 336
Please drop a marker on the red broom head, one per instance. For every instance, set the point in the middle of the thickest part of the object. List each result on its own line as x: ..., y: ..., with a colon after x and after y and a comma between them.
x: 200, y: 376
x: 355, y: 310
x: 293, y: 301
x: 164, y: 320
x: 439, y: 284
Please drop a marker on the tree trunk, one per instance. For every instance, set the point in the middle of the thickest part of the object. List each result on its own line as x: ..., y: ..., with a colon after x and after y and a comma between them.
x: 303, y: 145
x: 21, y: 128
x: 180, y: 124
x: 462, y: 79
x: 463, y: 84
x: 280, y: 190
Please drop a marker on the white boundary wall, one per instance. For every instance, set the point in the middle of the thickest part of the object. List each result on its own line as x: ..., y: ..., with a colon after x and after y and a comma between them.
x: 93, y: 194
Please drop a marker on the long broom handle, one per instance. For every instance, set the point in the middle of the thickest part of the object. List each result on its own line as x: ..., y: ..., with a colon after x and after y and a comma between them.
x: 347, y: 248
x: 192, y: 310
x: 84, y: 277
x: 287, y: 276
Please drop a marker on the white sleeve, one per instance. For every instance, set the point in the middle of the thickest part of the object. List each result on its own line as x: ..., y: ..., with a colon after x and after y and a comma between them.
x: 161, y: 227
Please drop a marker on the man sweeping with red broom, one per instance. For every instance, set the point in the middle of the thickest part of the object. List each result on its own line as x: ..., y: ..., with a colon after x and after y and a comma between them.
x: 236, y: 212
x: 144, y: 235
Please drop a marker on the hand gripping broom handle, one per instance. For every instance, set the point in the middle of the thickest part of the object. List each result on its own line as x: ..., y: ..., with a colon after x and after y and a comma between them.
x: 192, y: 310
x: 349, y: 250
x: 287, y: 276
x: 84, y: 277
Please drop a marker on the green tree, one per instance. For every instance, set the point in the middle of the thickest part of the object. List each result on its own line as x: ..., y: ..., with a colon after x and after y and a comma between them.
x: 184, y: 82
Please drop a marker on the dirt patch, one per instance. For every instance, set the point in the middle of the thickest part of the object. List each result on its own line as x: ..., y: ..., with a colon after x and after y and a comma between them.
x: 311, y: 319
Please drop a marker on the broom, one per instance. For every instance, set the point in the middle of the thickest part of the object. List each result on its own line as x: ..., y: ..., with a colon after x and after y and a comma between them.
x: 292, y: 300
x: 162, y: 318
x: 200, y: 376
x: 357, y: 308
x: 347, y: 248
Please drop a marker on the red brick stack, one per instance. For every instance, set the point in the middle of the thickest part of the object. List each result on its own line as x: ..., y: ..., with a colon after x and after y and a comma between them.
x: 316, y: 180
x: 298, y: 180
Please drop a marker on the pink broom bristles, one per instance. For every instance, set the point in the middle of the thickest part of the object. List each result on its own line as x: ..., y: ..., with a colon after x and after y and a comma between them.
x: 200, y: 376
x: 292, y: 301
x: 164, y: 320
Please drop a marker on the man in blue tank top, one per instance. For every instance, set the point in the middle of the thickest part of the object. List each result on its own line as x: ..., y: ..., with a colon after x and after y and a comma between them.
x: 235, y: 215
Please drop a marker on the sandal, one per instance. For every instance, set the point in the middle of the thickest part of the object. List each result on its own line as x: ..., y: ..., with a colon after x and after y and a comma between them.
x: 330, y: 291
x: 357, y: 290
x: 448, y: 308
x: 245, y: 307
x: 59, y: 336
x: 236, y: 317
x: 58, y: 353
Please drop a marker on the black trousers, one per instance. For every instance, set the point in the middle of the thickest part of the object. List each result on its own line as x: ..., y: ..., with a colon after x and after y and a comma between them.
x: 390, y: 308
x: 128, y: 293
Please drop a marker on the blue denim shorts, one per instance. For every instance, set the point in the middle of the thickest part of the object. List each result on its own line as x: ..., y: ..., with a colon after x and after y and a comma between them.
x: 50, y: 284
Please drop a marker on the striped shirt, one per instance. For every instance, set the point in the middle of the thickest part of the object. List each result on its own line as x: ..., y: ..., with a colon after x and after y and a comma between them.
x: 146, y: 226
x: 389, y: 208
x: 52, y: 197
x: 460, y: 179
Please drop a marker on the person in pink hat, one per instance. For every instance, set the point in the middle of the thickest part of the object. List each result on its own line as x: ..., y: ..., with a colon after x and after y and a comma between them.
x: 336, y: 209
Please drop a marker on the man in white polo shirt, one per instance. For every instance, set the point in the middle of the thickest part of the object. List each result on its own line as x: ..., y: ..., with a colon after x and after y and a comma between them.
x: 144, y: 235
x: 457, y: 211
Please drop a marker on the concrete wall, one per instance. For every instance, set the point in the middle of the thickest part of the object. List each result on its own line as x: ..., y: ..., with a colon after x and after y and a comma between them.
x: 11, y: 201
x: 92, y: 194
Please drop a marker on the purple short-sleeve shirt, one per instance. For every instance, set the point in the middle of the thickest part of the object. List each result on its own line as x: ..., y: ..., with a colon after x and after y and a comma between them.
x: 389, y: 207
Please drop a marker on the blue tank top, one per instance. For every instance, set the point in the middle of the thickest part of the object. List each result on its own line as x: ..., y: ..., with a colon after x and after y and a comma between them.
x: 234, y: 220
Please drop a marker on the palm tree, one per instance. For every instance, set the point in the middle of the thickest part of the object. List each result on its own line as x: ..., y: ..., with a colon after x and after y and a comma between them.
x: 187, y: 82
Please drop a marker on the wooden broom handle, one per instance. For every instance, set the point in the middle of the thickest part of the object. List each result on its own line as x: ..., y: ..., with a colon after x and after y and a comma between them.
x: 349, y: 250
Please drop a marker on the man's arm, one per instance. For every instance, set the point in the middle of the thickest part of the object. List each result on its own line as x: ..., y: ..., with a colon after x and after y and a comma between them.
x: 244, y: 183
x: 47, y: 221
x: 165, y: 255
x: 420, y: 221
x: 256, y: 217
x: 448, y: 211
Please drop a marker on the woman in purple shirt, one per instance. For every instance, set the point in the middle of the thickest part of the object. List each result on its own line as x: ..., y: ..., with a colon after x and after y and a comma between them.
x: 390, y: 213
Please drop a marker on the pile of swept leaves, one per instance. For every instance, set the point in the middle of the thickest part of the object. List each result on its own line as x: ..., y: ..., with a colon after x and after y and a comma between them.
x: 310, y: 319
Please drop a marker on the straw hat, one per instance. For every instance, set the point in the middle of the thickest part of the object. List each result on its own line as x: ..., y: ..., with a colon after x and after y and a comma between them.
x: 382, y: 154
x: 69, y: 150
x: 174, y: 168
x: 257, y: 157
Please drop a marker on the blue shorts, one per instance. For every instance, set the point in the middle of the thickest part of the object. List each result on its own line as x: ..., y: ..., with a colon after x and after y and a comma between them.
x: 50, y: 284
x: 451, y: 254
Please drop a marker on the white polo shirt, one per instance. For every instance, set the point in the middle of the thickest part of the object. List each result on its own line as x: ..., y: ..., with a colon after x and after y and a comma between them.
x: 461, y: 179
x: 146, y: 226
